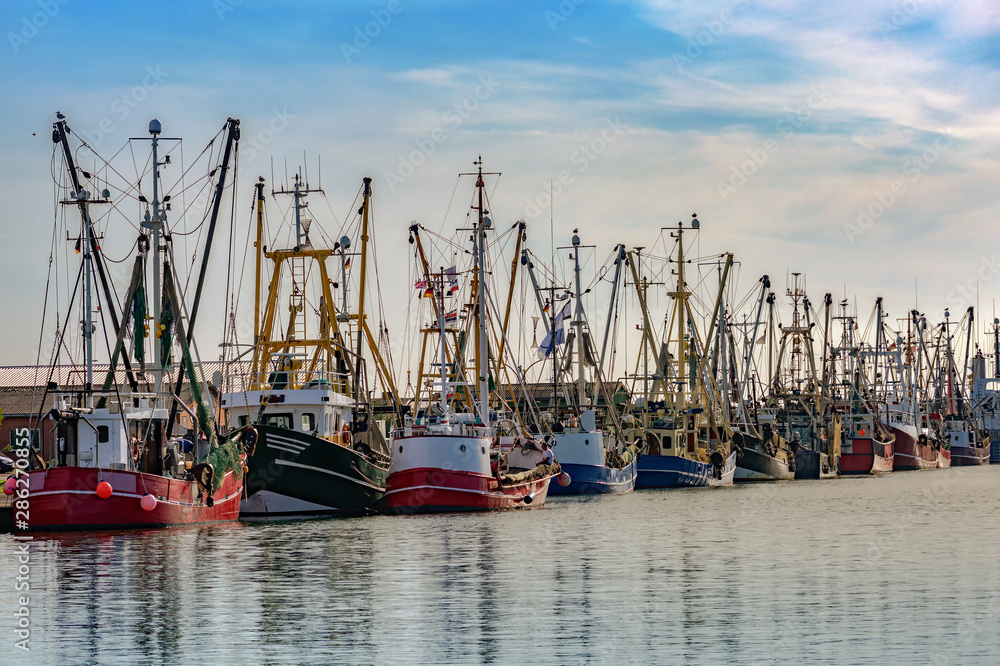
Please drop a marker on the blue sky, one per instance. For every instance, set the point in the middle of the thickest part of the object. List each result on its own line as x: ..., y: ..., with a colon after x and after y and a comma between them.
x: 779, y: 122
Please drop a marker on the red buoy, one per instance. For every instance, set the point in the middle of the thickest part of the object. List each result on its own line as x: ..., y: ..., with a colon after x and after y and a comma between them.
x: 8, y: 486
x: 148, y: 502
x: 104, y: 490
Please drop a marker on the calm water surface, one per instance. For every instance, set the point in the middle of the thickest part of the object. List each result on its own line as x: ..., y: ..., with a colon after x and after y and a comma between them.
x: 898, y: 569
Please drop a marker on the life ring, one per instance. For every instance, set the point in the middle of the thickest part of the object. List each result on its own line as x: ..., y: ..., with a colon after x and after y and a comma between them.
x: 249, y: 438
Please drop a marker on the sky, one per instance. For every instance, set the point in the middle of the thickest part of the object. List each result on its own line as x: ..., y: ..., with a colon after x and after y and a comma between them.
x: 855, y: 142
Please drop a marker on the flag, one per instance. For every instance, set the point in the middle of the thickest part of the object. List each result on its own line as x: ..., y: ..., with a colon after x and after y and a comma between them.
x: 761, y: 339
x: 428, y: 293
x: 556, y: 336
x: 452, y: 279
x: 347, y: 264
x: 451, y: 316
x: 548, y: 306
x: 420, y: 284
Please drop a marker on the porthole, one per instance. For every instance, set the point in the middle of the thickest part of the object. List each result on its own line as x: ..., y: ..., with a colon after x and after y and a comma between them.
x: 401, y: 449
x: 462, y: 448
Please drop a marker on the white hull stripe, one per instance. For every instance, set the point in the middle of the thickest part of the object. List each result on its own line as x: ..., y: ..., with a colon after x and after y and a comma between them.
x: 456, y: 490
x: 289, y: 463
x: 288, y: 440
x: 121, y: 494
x: 907, y: 455
x: 278, y: 447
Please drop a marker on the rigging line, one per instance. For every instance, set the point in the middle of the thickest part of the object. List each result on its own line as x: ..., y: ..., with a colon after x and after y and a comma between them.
x: 45, y: 307
x: 450, y: 201
x: 246, y: 250
x: 125, y: 258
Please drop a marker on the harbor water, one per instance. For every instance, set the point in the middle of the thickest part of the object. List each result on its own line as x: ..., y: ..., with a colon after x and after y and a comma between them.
x: 875, y: 570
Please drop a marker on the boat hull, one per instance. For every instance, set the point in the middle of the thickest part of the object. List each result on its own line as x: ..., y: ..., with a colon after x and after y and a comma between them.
x: 596, y: 479
x: 909, y: 454
x: 65, y: 498
x: 866, y: 457
x: 308, y: 476
x: 963, y: 456
x: 814, y: 465
x: 678, y: 472
x: 434, y: 490
x: 753, y: 465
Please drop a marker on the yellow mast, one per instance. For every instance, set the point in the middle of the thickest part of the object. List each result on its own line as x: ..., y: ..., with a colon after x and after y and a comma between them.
x: 361, y: 291
x: 501, y: 370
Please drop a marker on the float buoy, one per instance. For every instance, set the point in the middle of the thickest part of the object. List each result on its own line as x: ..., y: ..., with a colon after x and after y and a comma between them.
x: 104, y: 490
x: 148, y: 502
x: 8, y: 486
x: 564, y: 479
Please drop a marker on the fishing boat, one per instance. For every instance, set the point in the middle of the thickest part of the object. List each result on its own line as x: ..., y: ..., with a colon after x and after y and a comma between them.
x: 686, y: 437
x: 968, y: 437
x: 986, y: 397
x: 867, y: 444
x: 114, y: 460
x: 763, y: 453
x: 319, y: 449
x: 597, y: 459
x: 455, y: 453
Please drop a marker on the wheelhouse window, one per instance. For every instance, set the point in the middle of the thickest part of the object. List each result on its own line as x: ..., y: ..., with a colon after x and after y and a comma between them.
x: 279, y: 420
x: 308, y: 419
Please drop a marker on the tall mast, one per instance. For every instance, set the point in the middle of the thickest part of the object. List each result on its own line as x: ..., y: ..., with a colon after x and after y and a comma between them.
x: 442, y: 359
x: 259, y: 245
x: 60, y: 131
x: 361, y: 291
x: 681, y: 296
x: 155, y: 224
x: 88, y: 308
x: 578, y: 323
x: 482, y: 353
x: 619, y: 259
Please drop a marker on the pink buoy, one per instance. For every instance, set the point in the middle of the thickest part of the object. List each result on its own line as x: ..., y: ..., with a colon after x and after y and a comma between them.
x: 148, y: 502
x: 9, y: 486
x: 104, y: 490
x: 564, y: 479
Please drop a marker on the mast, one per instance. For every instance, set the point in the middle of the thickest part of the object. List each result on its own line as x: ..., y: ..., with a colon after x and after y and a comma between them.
x: 482, y: 350
x: 681, y: 295
x: 996, y: 347
x: 366, y: 207
x: 159, y: 219
x: 578, y: 323
x: 619, y: 259
x: 93, y: 257
x: 259, y: 245
x: 155, y: 224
